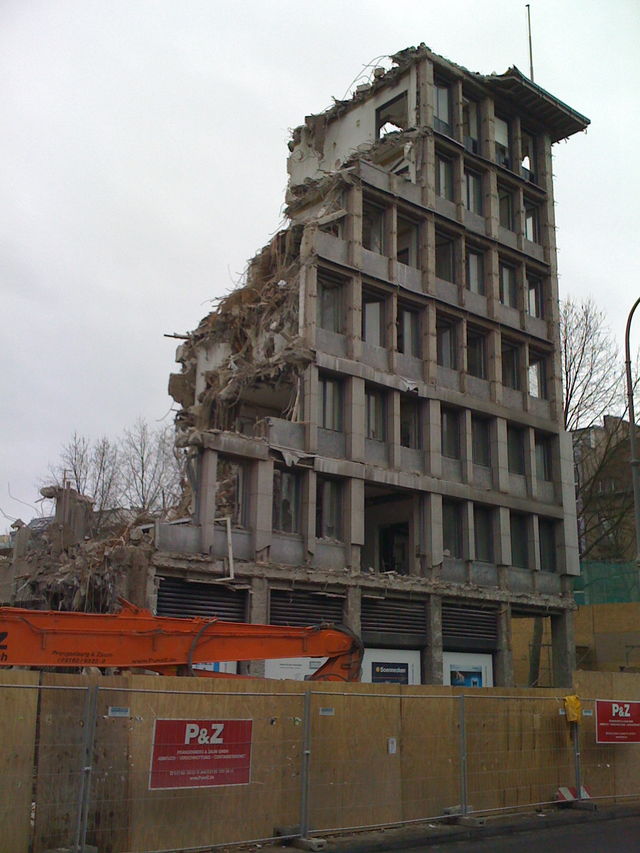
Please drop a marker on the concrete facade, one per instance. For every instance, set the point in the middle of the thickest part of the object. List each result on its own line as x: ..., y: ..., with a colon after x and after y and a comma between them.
x: 376, y: 414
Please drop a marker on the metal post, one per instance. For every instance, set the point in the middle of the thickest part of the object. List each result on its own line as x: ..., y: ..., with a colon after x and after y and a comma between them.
x: 530, y: 46
x: 635, y: 471
x: 90, y: 710
x: 464, y: 805
x: 575, y: 737
x: 306, y: 763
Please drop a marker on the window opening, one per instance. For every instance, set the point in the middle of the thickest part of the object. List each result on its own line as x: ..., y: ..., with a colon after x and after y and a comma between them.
x: 508, y: 286
x: 447, y: 344
x: 409, y: 423
x: 483, y: 533
x: 480, y: 439
x: 392, y: 116
x: 444, y: 257
x: 519, y: 541
x: 394, y: 548
x: 547, y: 539
x: 373, y: 320
x: 330, y: 403
x: 505, y: 208
x: 444, y: 178
x: 515, y: 449
x: 375, y: 415
x: 475, y: 271
x: 450, y: 427
x: 407, y: 242
x: 528, y: 146
x: 373, y: 227
x: 328, y: 508
x: 231, y: 491
x: 543, y: 458
x: 537, y: 375
x: 476, y: 353
x: 531, y: 222
x: 535, y: 296
x: 286, y: 501
x: 330, y: 304
x: 470, y: 125
x: 452, y: 539
x: 473, y: 192
x: 511, y: 366
x: 408, y: 331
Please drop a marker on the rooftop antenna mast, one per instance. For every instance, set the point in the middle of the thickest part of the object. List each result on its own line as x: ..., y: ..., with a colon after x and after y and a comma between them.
x: 530, y: 47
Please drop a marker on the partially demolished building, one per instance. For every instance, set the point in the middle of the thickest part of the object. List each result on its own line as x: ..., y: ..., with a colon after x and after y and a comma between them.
x: 373, y: 419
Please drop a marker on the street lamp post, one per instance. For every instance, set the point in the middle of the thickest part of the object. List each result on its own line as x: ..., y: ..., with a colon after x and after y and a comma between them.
x: 635, y: 462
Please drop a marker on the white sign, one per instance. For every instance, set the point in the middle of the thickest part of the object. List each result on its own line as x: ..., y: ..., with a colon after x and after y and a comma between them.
x: 391, y: 666
x: 467, y: 669
x: 295, y: 668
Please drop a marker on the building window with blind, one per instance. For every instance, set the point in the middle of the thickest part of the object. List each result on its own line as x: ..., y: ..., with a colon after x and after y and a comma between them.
x: 286, y: 501
x: 481, y: 441
x: 511, y: 366
x: 476, y: 353
x: 330, y: 303
x: 515, y: 449
x: 450, y: 430
x: 503, y: 142
x: 483, y: 533
x: 519, y: 541
x: 232, y: 491
x: 330, y: 403
x: 328, y: 508
x: 508, y: 286
x: 409, y: 423
x: 547, y: 539
x: 475, y: 271
x: 375, y: 414
x: 373, y: 320
x: 446, y: 343
x: 408, y: 331
x: 452, y: 538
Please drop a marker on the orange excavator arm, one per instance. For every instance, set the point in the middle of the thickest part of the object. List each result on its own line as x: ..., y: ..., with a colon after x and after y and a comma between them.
x: 136, y: 639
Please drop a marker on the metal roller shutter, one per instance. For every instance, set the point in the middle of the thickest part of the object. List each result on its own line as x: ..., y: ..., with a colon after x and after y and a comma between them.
x: 393, y: 616
x: 178, y: 597
x: 300, y: 608
x: 469, y: 627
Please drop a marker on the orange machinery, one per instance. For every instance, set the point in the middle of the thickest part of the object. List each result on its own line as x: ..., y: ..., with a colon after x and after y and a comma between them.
x: 136, y: 639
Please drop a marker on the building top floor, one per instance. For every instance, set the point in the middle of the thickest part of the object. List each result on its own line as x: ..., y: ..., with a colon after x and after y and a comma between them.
x: 507, y: 118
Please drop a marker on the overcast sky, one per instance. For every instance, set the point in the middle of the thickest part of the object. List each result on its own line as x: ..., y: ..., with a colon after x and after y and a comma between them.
x: 142, y: 161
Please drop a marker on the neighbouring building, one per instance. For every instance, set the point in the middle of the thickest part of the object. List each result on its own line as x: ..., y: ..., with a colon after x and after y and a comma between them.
x: 373, y: 420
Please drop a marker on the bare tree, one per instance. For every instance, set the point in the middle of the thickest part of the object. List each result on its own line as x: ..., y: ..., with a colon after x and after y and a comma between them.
x: 592, y: 371
x: 91, y: 468
x: 150, y: 468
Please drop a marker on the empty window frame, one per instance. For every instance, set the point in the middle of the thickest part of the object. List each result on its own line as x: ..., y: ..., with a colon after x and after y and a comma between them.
x: 535, y: 296
x: 394, y: 548
x: 373, y: 227
x: 444, y: 177
x: 511, y: 365
x: 330, y: 403
x: 450, y: 432
x: 475, y: 271
x: 452, y: 537
x: 392, y: 116
x: 287, y: 499
x: 232, y: 491
x: 481, y: 441
x: 473, y: 191
x: 471, y: 125
x: 531, y: 221
x: 445, y: 268
x: 519, y: 540
x: 506, y: 207
x: 538, y: 374
x: 528, y: 156
x: 476, y: 352
x: 483, y: 533
x: 330, y: 315
x: 408, y: 331
x: 409, y: 422
x: 515, y: 449
x: 442, y: 107
x: 373, y: 319
x: 407, y: 242
x: 375, y: 414
x: 503, y: 142
x: 328, y: 508
x: 544, y: 464
x: 446, y: 343
x: 547, y: 541
x: 508, y: 286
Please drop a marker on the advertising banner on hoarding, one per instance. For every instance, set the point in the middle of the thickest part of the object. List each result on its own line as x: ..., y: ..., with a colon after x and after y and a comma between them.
x: 617, y: 722
x: 200, y: 753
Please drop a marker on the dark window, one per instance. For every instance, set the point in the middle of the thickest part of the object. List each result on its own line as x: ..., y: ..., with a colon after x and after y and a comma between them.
x: 531, y: 222
x: 519, y: 541
x: 505, y: 207
x: 444, y: 178
x: 394, y: 548
x: 392, y: 116
x: 373, y: 320
x: 511, y: 366
x: 483, y: 533
x: 528, y: 161
x: 452, y: 539
x: 475, y: 271
x: 473, y: 191
x: 535, y: 296
x: 547, y: 539
x: 476, y: 353
x: 329, y: 403
x: 232, y: 491
x: 286, y: 501
x: 407, y: 242
x: 373, y: 228
x: 330, y: 303
x: 481, y: 442
x: 444, y: 257
x: 447, y: 343
x: 442, y: 108
x: 537, y: 375
x: 375, y: 414
x: 515, y: 448
x: 503, y: 142
x: 408, y: 329
x: 409, y: 422
x: 543, y: 457
x: 508, y: 287
x: 450, y: 428
x: 470, y: 125
x: 328, y: 508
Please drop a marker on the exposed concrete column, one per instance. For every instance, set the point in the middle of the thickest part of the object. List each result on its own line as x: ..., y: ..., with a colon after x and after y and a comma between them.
x: 261, y: 503
x: 432, y: 654
x: 393, y: 429
x: 487, y: 130
x: 494, y: 366
x: 430, y: 344
x: 468, y: 532
x: 466, y: 448
x: 308, y: 514
x: 354, y: 229
x: 530, y: 458
x: 534, y: 544
x: 433, y: 439
x: 502, y: 546
x: 310, y: 406
x: 354, y: 515
x: 354, y: 418
x: 259, y: 615
x: 353, y: 316
x: 208, y: 465
x: 563, y: 650
x: 461, y: 347
x: 500, y: 455
x: 307, y: 321
x: 503, y: 675
x: 429, y: 252
x: 391, y: 245
x: 570, y: 525
x: 353, y: 605
x: 433, y: 533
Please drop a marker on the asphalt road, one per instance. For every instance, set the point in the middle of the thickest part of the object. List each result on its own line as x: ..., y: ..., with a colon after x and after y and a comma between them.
x: 620, y: 835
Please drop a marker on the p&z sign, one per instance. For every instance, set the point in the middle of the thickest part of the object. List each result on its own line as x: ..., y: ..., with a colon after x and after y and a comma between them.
x: 617, y: 722
x: 200, y: 753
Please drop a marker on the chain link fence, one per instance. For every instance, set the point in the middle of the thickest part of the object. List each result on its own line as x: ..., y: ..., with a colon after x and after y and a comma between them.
x: 118, y: 764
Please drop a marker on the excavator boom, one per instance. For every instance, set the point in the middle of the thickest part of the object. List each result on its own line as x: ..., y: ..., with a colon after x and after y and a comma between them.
x: 136, y: 639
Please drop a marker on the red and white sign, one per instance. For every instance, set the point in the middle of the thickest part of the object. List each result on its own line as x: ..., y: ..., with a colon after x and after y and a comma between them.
x: 617, y: 722
x: 200, y: 753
